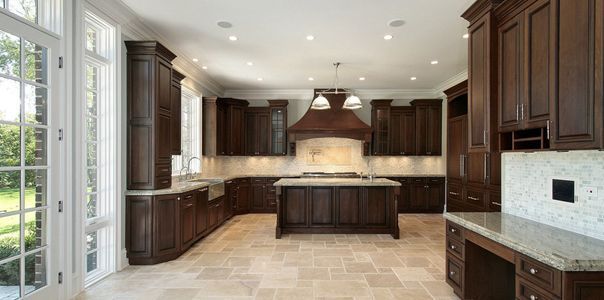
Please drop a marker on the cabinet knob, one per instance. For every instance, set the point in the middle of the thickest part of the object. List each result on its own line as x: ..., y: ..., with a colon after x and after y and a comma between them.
x: 533, y: 297
x: 452, y: 273
x: 453, y: 247
x: 453, y: 230
x: 178, y: 198
x: 533, y: 271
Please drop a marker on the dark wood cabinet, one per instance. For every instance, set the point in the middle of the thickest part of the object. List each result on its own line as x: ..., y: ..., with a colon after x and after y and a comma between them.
x: 257, y: 196
x: 349, y: 205
x: 428, y: 124
x: 166, y: 220
x: 577, y: 90
x: 241, y: 195
x: 295, y: 207
x: 216, y: 212
x: 263, y: 198
x: 278, y: 126
x: 176, y: 122
x: 150, y: 115
x: 224, y: 126
x: 188, y: 221
x: 380, y: 123
x: 421, y: 194
x: 201, y: 215
x: 257, y: 131
x: 377, y: 208
x: 235, y: 131
x: 402, y: 124
x: 322, y: 207
x: 457, y: 147
x: 510, y: 73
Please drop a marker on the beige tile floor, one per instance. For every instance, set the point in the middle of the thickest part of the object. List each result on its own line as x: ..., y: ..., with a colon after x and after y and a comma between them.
x: 243, y: 260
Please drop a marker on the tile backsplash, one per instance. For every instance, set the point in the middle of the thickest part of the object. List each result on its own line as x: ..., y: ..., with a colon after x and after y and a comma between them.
x: 527, y: 189
x: 347, y: 157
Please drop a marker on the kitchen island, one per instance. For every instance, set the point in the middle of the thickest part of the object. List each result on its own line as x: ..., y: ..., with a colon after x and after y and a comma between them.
x: 337, y: 206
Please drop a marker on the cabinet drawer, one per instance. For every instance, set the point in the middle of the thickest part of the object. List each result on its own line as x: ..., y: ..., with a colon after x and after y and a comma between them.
x: 455, y: 247
x: 163, y: 170
x: 243, y: 180
x: 163, y: 182
x: 455, y: 274
x: 455, y: 231
x: 418, y: 180
x: 454, y: 191
x: 525, y: 290
x: 435, y: 180
x: 272, y: 180
x: 475, y: 198
x: 541, y: 275
x: 258, y: 180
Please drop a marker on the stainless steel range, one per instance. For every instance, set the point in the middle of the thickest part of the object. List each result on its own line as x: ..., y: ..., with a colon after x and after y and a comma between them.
x: 330, y: 175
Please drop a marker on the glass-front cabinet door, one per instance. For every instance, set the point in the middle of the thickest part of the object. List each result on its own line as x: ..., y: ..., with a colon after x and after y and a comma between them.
x: 29, y: 161
x: 278, y: 128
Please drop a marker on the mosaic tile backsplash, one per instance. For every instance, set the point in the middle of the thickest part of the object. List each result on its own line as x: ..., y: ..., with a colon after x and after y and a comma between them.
x: 354, y: 161
x: 527, y: 189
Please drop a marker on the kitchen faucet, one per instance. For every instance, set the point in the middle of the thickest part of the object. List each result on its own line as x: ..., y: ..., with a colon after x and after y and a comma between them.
x: 189, y: 166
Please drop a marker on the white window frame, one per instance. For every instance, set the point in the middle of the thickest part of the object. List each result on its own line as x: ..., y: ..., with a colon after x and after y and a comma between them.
x: 178, y: 163
x: 106, y: 224
x: 49, y: 16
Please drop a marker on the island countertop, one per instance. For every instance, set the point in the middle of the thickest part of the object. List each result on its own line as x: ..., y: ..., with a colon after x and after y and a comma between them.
x: 335, y: 182
x: 564, y: 250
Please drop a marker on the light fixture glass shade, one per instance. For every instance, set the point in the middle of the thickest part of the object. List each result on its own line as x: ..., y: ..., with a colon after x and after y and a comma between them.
x: 352, y: 102
x: 320, y: 103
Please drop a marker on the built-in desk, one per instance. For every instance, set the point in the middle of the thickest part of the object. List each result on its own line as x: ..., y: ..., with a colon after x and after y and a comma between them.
x: 500, y: 256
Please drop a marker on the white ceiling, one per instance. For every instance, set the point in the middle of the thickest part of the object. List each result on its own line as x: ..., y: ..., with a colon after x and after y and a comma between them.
x: 272, y: 35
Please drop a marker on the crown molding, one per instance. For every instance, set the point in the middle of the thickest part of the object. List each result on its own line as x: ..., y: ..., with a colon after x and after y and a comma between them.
x: 134, y: 27
x: 451, y: 82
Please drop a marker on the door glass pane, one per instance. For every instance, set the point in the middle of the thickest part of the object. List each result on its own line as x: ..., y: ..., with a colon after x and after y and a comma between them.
x: 35, y: 230
x: 35, y: 271
x: 10, y: 279
x: 10, y: 195
x: 92, y: 77
x: 92, y: 182
x: 10, y: 145
x: 35, y: 188
x: 10, y: 245
x: 35, y: 62
x: 27, y: 9
x: 91, y: 154
x: 10, y: 55
x: 35, y: 146
x: 35, y: 104
x: 91, y: 103
x: 91, y: 249
x: 10, y: 110
x: 91, y: 129
x: 91, y: 39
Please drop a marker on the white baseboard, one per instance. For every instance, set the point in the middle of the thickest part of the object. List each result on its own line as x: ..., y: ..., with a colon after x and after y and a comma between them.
x: 123, y: 261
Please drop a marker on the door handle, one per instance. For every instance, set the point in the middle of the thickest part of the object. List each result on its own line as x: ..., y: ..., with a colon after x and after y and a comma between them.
x: 486, y: 160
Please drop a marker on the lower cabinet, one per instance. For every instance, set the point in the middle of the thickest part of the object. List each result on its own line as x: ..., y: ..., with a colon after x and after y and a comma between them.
x: 263, y: 195
x: 471, y: 198
x: 421, y: 194
x: 349, y: 206
x: 187, y: 219
x: 201, y: 215
x: 166, y: 227
x: 215, y: 212
x: 240, y: 195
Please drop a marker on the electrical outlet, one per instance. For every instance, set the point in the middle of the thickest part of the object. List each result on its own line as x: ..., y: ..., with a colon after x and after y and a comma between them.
x: 591, y: 191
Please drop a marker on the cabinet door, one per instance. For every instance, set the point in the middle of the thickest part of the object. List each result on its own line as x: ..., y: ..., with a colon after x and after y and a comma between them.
x: 377, y: 207
x: 164, y: 86
x: 278, y: 134
x: 396, y: 132
x: 418, y: 200
x: 270, y: 196
x: 221, y: 132
x: 494, y: 201
x: 213, y: 214
x: 175, y: 118
x: 421, y: 122
x: 139, y: 234
x: 381, y: 130
x: 348, y: 205
x: 480, y: 66
x: 257, y: 196
x: 163, y: 139
x: 236, y: 130
x: 321, y: 207
x: 457, y: 143
x: 577, y: 98
x: 408, y: 132
x: 538, y: 52
x: 476, y: 166
x: 295, y: 207
x: 187, y: 220
x: 263, y: 134
x: 404, y: 199
x: 167, y: 225
x: 436, y: 195
x: 251, y: 133
x: 434, y: 130
x: 243, y: 197
x: 510, y: 73
x: 201, y: 212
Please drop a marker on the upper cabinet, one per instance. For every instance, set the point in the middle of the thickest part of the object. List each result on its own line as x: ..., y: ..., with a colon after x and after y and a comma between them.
x: 152, y: 108
x: 407, y: 130
x: 176, y: 123
x: 278, y: 126
x: 577, y: 89
x: 257, y: 127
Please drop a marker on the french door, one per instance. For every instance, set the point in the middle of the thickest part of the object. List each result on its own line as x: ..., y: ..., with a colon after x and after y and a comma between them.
x: 30, y: 162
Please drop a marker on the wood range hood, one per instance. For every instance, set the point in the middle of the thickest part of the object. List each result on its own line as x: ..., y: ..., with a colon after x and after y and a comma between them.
x: 333, y: 122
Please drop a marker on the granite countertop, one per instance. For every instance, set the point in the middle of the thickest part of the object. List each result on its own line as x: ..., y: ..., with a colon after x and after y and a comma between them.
x: 561, y: 249
x: 335, y: 182
x: 176, y: 188
x: 410, y: 175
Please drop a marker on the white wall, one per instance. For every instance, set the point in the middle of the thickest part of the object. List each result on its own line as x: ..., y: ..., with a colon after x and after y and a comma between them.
x: 527, y: 189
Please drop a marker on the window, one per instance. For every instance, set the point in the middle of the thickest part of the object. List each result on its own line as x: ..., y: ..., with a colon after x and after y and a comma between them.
x: 191, y: 134
x: 45, y: 13
x: 99, y: 147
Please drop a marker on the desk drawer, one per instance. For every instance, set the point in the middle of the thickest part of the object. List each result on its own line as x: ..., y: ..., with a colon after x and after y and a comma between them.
x: 456, y: 248
x: 455, y: 231
x: 543, y: 276
x: 525, y: 290
x: 455, y: 274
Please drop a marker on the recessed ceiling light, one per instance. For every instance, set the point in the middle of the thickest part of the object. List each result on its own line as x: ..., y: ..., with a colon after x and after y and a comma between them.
x: 310, y: 79
x: 388, y: 37
x: 413, y: 78
x: 434, y: 62
x: 259, y: 79
x: 204, y: 67
x: 195, y: 60
x: 465, y: 36
x: 396, y: 23
x: 233, y: 38
x: 249, y: 63
x: 224, y: 24
x: 310, y: 37
x: 362, y: 78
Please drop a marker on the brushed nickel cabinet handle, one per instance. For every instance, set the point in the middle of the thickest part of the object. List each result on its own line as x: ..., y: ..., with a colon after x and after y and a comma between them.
x: 454, y: 193
x: 548, y: 131
x: 189, y: 205
x: 189, y: 197
x: 473, y: 198
x: 496, y: 203
x: 517, y: 112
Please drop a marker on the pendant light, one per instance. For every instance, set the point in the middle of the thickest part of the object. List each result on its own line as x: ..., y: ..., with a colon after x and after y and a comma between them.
x: 321, y: 103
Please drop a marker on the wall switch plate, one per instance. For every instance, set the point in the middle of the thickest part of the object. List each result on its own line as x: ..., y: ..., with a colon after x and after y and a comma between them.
x: 591, y: 191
